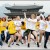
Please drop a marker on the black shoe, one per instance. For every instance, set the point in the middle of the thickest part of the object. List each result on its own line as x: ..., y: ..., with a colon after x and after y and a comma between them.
x: 45, y: 47
x: 8, y: 46
x: 18, y: 44
x: 28, y: 45
x: 21, y: 42
x: 37, y: 44
x: 14, y: 40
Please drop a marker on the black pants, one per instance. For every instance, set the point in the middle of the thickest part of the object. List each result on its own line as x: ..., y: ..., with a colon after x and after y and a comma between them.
x: 47, y: 34
x: 1, y: 40
x: 7, y: 37
x: 2, y: 36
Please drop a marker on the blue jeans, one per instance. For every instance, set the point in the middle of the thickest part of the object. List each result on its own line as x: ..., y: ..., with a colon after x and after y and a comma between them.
x: 0, y: 40
x: 0, y: 37
x: 47, y: 34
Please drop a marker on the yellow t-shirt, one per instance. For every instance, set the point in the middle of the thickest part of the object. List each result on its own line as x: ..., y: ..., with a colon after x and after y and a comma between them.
x: 1, y: 26
x: 11, y: 27
x: 4, y: 26
x: 23, y: 27
x: 46, y: 26
x: 37, y: 25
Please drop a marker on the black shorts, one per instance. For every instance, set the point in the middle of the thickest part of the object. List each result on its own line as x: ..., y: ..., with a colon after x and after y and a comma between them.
x: 28, y: 31
x: 11, y: 34
x: 32, y: 31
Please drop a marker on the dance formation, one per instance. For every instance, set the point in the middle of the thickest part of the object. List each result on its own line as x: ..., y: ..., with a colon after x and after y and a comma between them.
x: 22, y: 29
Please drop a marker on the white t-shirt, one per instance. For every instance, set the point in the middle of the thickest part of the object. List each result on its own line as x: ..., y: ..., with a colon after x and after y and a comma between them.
x: 18, y: 24
x: 42, y: 25
x: 48, y: 26
x: 30, y: 24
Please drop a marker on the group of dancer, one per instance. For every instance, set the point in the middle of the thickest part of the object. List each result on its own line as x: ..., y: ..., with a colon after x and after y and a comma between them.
x: 22, y: 29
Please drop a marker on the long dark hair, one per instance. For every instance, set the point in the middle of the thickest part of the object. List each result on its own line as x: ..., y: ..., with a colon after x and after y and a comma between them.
x: 4, y: 18
x: 41, y: 17
x: 22, y: 23
x: 0, y: 19
x: 47, y: 17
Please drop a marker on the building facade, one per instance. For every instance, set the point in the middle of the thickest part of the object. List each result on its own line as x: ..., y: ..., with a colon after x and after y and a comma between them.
x: 19, y: 11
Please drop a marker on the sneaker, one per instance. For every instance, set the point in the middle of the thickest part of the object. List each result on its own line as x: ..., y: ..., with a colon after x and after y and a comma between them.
x: 14, y: 40
x: 18, y: 44
x: 28, y: 45
x: 21, y: 42
x: 37, y: 44
x: 45, y: 47
x: 40, y: 44
x: 8, y: 44
x: 12, y: 43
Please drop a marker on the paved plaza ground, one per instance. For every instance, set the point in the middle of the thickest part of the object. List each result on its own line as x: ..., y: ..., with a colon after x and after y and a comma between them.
x: 24, y: 46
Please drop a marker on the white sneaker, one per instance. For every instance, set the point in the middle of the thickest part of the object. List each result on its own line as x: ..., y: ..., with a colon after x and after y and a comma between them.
x: 39, y: 43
